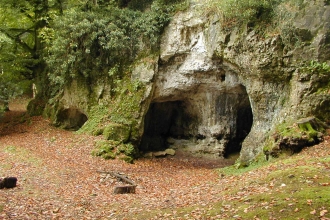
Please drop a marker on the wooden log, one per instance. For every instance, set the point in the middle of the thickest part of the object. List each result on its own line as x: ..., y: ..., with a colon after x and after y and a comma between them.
x: 121, y: 177
x: 124, y: 189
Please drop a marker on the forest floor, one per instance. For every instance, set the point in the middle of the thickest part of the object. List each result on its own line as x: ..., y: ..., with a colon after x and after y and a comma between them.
x: 58, y: 179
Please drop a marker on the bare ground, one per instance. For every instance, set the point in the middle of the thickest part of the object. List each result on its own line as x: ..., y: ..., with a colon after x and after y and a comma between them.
x: 58, y: 178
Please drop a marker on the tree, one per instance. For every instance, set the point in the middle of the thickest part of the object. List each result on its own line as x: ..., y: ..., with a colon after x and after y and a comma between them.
x: 100, y: 39
x: 22, y: 43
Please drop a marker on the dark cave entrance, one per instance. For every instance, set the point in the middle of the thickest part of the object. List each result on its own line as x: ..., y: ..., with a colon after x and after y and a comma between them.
x: 244, y: 122
x: 71, y: 119
x: 164, y: 120
x: 180, y: 120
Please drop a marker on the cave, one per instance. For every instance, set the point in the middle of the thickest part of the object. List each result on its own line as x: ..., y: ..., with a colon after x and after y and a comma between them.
x: 71, y: 119
x: 244, y: 122
x: 215, y: 122
x: 163, y: 120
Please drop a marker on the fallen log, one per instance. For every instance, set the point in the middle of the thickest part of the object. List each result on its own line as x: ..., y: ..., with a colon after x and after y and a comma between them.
x: 122, y: 189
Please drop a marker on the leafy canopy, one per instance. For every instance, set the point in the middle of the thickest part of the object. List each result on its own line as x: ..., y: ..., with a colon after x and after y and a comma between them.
x: 100, y: 40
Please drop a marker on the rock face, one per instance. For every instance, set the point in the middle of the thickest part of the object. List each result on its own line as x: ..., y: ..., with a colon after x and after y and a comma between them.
x: 215, y: 91
x: 196, y: 96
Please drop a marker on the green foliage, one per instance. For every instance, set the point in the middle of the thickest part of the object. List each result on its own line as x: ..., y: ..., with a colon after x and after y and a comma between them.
x: 21, y: 48
x: 109, y: 149
x: 11, y: 86
x: 97, y: 119
x: 268, y: 17
x: 102, y: 41
x: 105, y: 149
x: 117, y: 132
x: 317, y: 67
x: 245, y: 11
x: 127, y: 149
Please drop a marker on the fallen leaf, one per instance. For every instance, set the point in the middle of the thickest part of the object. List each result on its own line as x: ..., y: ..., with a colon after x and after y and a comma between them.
x: 323, y: 212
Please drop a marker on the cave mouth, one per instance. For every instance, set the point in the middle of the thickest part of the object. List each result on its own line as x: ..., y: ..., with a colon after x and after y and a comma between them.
x: 183, y: 120
x: 71, y: 119
x: 244, y: 121
x: 164, y: 120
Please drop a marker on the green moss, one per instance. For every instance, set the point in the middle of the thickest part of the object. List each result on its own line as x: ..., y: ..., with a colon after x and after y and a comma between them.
x: 308, y: 128
x: 238, y: 168
x: 128, y: 103
x: 97, y: 117
x: 290, y: 192
x: 23, y: 155
x: 127, y: 107
x: 109, y: 155
x: 288, y: 129
x: 117, y: 132
x: 290, y: 137
x: 127, y: 149
x: 106, y: 149
x: 110, y: 149
x: 127, y: 159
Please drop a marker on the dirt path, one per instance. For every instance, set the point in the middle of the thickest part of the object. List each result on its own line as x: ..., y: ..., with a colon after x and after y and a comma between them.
x: 57, y: 176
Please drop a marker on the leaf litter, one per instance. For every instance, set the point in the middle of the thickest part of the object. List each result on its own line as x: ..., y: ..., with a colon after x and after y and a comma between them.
x: 58, y: 179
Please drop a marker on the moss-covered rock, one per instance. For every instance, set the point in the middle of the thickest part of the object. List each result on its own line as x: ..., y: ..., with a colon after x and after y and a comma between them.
x: 117, y: 132
x: 105, y: 149
x: 127, y: 159
x: 97, y: 118
x: 292, y: 137
x: 127, y: 149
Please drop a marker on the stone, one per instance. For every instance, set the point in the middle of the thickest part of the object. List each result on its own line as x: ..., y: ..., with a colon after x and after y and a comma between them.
x: 159, y: 154
x: 148, y: 155
x: 170, y: 151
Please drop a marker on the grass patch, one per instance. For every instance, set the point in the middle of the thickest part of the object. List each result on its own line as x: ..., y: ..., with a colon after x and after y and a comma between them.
x: 22, y: 155
x: 295, y: 188
x: 295, y: 194
x: 237, y: 169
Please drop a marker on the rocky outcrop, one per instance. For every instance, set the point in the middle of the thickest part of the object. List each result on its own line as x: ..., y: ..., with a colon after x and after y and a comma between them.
x: 215, y: 91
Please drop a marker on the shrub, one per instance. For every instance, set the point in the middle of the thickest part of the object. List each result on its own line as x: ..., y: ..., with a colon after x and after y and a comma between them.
x: 102, y: 41
x: 235, y: 12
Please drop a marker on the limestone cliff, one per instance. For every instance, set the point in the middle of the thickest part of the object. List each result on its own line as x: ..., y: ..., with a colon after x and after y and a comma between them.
x: 215, y: 91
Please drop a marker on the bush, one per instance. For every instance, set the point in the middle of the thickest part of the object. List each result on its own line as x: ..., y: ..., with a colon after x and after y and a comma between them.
x: 102, y: 40
x: 235, y: 12
x: 277, y: 15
